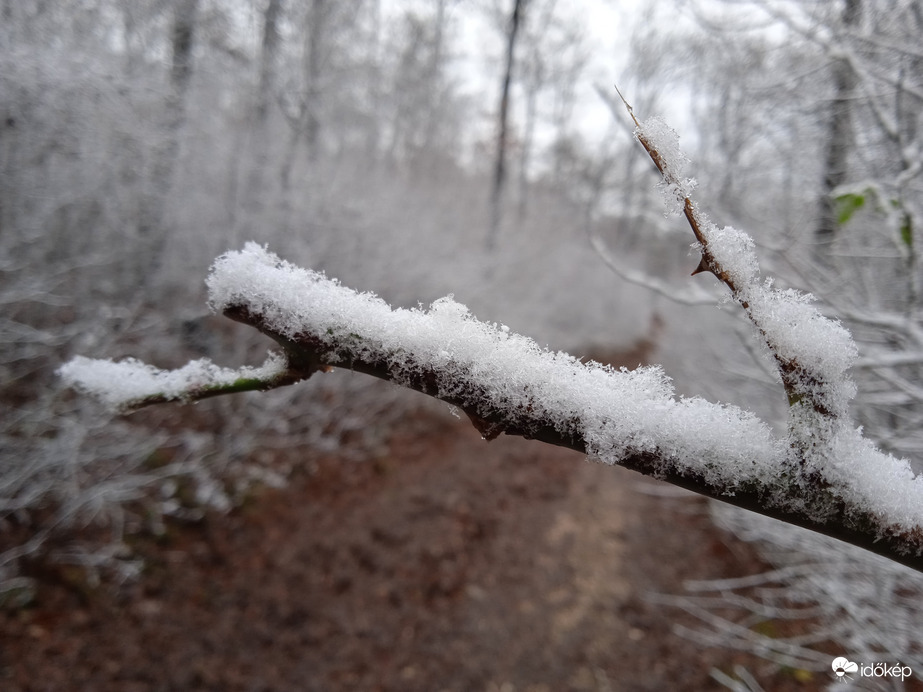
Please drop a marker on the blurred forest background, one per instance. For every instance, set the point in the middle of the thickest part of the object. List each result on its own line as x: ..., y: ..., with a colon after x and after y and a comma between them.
x: 417, y: 148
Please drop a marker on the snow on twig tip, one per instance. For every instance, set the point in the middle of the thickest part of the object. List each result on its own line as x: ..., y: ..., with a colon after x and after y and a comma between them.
x: 129, y: 383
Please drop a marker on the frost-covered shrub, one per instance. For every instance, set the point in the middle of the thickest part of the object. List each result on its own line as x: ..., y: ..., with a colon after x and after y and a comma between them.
x: 76, y: 141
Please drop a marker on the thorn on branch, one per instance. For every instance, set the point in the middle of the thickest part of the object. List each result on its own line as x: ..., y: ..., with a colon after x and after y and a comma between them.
x: 490, y: 430
x: 703, y: 267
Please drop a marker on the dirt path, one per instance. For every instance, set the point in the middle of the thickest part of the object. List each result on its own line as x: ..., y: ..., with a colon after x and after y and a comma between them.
x: 446, y: 564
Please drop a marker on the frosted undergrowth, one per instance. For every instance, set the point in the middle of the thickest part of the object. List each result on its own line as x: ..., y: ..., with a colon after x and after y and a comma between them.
x: 120, y: 384
x: 869, y: 606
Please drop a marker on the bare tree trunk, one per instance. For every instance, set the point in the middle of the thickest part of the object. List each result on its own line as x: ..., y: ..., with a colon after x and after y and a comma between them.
x: 305, y: 121
x: 499, y: 180
x: 375, y: 89
x: 432, y: 76
x: 839, y: 137
x: 909, y: 114
x: 152, y: 224
x: 317, y: 28
x: 528, y: 139
x: 253, y: 195
x: 182, y: 41
x: 268, y: 53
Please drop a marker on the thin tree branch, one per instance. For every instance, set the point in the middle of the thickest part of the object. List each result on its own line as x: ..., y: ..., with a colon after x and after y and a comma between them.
x: 825, y: 477
x: 845, y: 523
x: 324, y: 345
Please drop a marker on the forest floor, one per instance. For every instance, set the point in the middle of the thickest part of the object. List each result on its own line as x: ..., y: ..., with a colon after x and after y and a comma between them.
x: 446, y: 563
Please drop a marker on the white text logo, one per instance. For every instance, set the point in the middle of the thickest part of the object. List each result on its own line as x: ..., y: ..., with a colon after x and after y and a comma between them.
x: 842, y: 667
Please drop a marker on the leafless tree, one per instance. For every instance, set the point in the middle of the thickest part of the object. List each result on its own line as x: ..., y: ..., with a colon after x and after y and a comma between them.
x: 498, y: 184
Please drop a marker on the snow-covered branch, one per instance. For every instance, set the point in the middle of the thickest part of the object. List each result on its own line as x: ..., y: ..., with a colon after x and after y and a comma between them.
x: 823, y: 476
x: 507, y: 384
x: 131, y: 384
x: 812, y: 353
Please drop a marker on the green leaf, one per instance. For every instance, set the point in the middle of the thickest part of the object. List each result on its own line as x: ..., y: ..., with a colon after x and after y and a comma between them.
x: 846, y: 206
x: 906, y: 231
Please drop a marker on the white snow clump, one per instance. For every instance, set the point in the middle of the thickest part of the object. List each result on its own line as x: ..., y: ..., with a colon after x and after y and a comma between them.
x: 665, y: 141
x: 120, y: 384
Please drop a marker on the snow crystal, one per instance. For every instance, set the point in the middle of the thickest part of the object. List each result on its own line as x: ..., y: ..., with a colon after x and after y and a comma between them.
x: 869, y: 479
x: 120, y: 384
x: 664, y: 140
x: 733, y: 250
x: 797, y: 332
